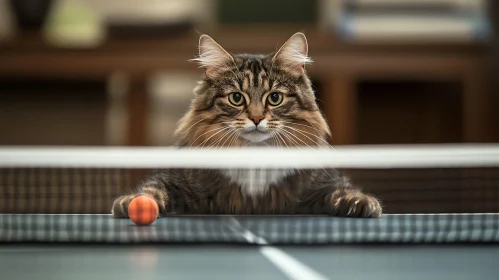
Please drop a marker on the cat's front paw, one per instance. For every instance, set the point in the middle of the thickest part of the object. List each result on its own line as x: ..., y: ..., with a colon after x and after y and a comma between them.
x: 120, y: 206
x: 352, y: 203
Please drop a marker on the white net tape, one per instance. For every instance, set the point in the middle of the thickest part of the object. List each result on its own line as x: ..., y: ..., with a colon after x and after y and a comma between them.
x: 389, y: 156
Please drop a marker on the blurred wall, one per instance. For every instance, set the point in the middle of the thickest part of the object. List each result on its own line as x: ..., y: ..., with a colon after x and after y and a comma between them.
x: 380, y: 107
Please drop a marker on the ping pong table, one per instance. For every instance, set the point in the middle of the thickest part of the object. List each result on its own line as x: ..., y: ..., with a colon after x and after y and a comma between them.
x: 411, y: 246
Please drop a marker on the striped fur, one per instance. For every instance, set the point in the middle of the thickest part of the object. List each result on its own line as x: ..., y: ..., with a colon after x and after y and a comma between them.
x: 216, y: 119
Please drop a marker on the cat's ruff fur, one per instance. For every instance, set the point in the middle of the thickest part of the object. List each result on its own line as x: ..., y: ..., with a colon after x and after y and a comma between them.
x: 253, y: 100
x: 256, y: 182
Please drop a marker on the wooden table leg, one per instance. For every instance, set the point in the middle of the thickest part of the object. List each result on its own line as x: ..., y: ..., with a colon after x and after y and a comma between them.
x: 340, y: 107
x: 137, y: 99
x: 475, y: 108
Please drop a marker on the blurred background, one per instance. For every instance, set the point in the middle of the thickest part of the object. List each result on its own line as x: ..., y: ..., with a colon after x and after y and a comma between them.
x: 116, y: 72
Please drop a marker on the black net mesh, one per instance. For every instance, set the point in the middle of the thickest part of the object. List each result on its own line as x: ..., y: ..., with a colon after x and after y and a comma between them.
x: 421, y: 205
x: 402, y: 190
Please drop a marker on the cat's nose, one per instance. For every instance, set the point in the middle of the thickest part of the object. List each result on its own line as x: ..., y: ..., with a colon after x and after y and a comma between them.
x: 256, y: 119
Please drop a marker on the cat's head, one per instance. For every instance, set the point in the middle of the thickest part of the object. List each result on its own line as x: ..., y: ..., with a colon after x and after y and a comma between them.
x: 249, y: 100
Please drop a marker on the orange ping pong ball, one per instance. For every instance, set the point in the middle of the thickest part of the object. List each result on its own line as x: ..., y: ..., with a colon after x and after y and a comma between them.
x: 143, y: 210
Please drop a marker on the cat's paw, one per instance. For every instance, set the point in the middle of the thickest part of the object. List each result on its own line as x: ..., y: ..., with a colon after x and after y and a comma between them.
x: 120, y: 206
x: 355, y: 204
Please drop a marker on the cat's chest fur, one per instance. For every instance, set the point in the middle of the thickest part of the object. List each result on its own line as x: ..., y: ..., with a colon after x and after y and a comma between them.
x: 255, y: 182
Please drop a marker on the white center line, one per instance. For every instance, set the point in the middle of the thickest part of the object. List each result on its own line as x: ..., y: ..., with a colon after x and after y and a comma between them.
x: 288, y: 265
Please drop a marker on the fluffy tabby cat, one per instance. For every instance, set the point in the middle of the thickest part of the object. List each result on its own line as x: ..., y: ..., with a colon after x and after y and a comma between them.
x: 253, y: 100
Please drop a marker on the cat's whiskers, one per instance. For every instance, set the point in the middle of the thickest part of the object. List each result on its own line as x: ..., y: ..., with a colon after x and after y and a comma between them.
x: 295, y: 123
x: 217, y: 130
x: 320, y: 138
x: 190, y: 127
x: 283, y: 141
x: 216, y: 143
x: 289, y: 138
x: 276, y: 140
x: 292, y: 135
x: 235, y: 137
x: 194, y: 141
x: 300, y: 124
x: 284, y: 128
x: 215, y: 134
x: 233, y: 132
x: 206, y: 125
x: 229, y: 139
x: 272, y: 138
x: 309, y: 126
x: 301, y: 132
x: 296, y: 143
x: 226, y: 136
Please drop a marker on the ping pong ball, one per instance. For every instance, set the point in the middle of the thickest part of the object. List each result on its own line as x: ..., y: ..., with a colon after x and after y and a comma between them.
x: 143, y: 210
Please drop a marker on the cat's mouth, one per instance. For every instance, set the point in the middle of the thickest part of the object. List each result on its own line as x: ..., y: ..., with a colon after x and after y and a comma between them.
x: 256, y: 136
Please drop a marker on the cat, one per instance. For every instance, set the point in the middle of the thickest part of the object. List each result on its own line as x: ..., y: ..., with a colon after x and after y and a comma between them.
x: 248, y: 100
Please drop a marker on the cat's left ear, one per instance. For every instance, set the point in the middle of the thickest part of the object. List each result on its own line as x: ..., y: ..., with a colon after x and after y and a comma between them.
x: 293, y: 55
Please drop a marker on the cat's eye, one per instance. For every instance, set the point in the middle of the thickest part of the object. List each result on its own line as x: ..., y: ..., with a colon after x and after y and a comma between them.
x: 236, y: 98
x: 275, y: 98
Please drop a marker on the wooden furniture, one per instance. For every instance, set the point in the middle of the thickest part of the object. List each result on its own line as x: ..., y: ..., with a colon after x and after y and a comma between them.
x: 337, y: 66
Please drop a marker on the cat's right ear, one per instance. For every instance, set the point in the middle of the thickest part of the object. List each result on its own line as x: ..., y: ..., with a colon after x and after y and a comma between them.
x: 292, y: 56
x: 212, y: 57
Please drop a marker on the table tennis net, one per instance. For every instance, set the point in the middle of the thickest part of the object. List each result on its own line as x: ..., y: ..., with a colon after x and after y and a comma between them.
x: 429, y: 194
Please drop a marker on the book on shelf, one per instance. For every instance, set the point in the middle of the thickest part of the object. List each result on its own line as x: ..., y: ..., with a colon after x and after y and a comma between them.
x: 394, y: 5
x: 421, y: 20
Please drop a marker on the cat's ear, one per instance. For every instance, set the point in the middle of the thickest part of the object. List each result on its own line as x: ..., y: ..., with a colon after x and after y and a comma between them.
x: 293, y: 55
x: 212, y: 56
